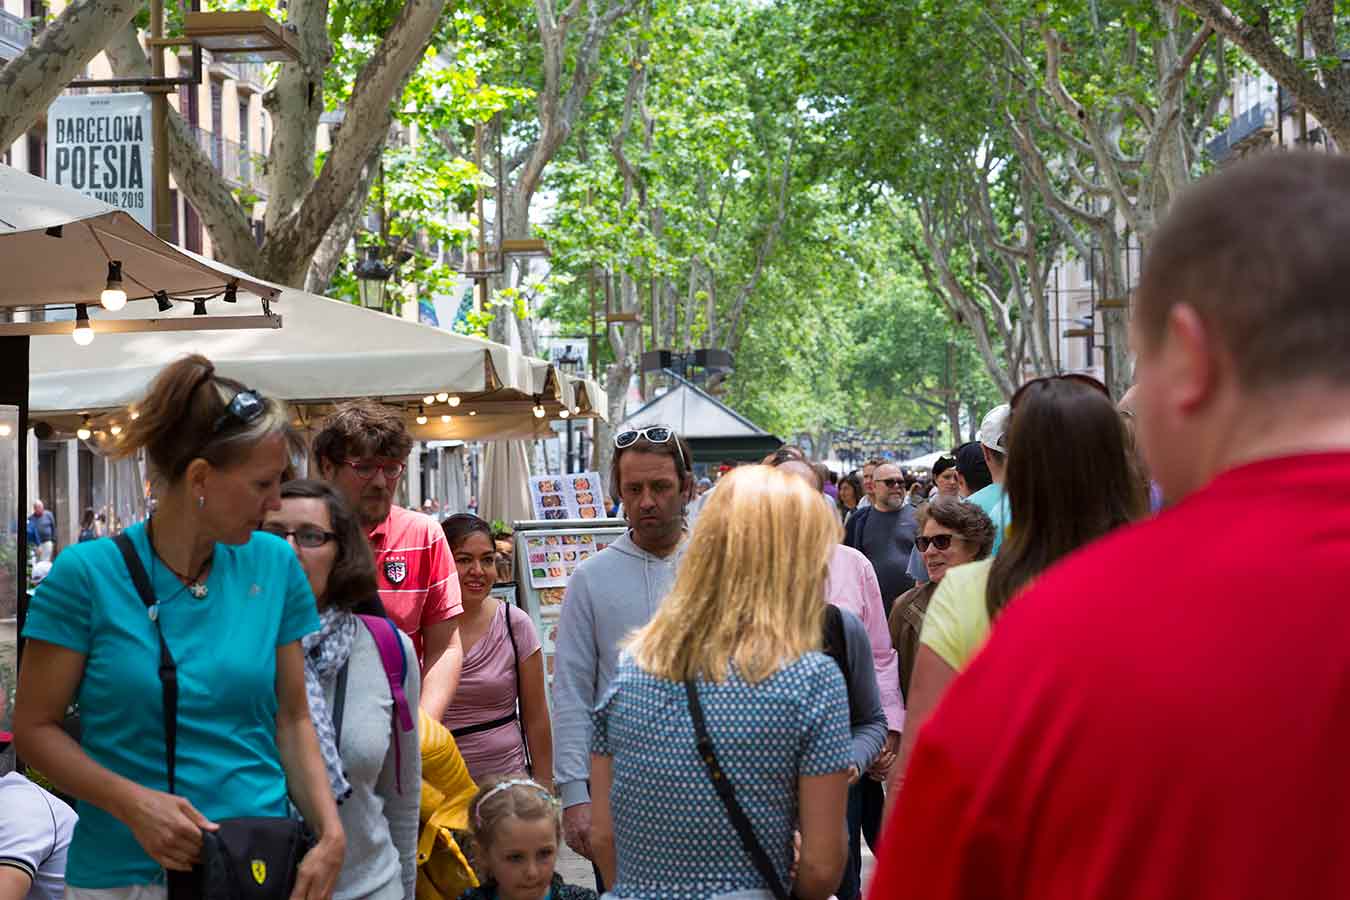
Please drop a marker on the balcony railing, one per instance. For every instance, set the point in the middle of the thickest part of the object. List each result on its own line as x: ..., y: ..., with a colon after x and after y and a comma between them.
x: 1244, y: 127
x: 240, y: 167
x: 15, y: 35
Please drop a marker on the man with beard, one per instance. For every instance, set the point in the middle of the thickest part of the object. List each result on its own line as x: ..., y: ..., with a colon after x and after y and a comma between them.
x: 362, y: 452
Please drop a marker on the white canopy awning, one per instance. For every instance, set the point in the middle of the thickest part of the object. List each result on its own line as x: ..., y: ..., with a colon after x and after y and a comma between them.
x: 328, y: 352
x: 923, y: 462
x: 55, y: 246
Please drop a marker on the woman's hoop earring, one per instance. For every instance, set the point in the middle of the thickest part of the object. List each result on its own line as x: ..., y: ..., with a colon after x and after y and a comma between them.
x: 201, y: 502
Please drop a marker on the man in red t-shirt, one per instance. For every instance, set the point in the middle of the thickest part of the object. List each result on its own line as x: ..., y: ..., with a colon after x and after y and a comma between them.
x: 1184, y: 735
x: 361, y: 451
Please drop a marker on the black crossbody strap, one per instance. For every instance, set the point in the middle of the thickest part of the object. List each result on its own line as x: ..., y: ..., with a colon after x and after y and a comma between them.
x: 168, y: 670
x: 745, y: 830
x: 515, y: 655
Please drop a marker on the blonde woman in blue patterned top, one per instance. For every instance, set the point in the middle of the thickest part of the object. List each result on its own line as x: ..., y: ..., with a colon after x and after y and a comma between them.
x: 744, y: 622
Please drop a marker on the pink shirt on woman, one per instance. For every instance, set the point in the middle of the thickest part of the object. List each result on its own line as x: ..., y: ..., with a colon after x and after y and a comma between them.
x: 852, y: 585
x: 488, y: 690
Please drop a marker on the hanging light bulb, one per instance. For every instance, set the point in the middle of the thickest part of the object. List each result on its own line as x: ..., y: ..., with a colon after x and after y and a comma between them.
x: 564, y: 413
x: 162, y: 301
x: 454, y: 400
x: 199, y: 307
x: 421, y: 416
x: 446, y: 418
x: 114, y: 429
x: 135, y: 414
x: 84, y: 332
x: 473, y: 412
x: 429, y: 399
x: 539, y: 412
x: 113, y: 297
x: 5, y: 430
x: 83, y: 432
x: 442, y: 397
x: 232, y: 292
x: 576, y: 410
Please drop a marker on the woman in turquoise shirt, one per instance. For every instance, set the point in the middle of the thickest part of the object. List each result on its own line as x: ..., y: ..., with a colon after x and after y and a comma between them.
x: 233, y: 605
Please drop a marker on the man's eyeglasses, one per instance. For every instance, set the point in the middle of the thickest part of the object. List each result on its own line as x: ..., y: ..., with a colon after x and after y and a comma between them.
x: 367, y: 469
x: 890, y: 482
x: 1071, y: 376
x: 654, y: 434
x: 940, y: 541
x: 307, y: 536
x: 246, y: 407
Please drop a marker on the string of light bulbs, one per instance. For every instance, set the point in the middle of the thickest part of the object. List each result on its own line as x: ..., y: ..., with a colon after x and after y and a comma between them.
x: 114, y: 298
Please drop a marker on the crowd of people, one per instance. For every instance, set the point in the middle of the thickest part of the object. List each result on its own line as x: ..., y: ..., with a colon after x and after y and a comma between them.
x: 962, y: 670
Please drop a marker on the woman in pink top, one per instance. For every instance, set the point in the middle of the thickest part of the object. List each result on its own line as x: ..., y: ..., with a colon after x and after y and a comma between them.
x: 500, y: 714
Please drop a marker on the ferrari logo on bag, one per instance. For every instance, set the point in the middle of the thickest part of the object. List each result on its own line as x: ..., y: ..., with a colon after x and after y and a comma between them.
x: 259, y: 871
x: 395, y: 570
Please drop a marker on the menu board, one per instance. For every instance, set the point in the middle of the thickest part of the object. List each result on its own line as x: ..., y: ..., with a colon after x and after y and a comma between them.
x: 561, y: 497
x: 552, y: 558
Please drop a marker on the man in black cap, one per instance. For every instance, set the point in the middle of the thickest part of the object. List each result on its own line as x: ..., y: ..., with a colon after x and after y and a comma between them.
x: 971, y: 469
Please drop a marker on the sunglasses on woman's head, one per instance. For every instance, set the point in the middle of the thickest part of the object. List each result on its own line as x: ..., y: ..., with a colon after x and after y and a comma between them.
x: 940, y: 541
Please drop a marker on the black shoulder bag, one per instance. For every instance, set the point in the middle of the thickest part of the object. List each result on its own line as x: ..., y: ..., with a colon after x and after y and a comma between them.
x: 745, y: 830
x: 248, y: 858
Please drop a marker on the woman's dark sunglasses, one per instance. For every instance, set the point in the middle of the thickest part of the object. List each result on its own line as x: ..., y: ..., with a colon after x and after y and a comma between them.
x: 245, y: 408
x: 940, y: 541
x: 308, y: 537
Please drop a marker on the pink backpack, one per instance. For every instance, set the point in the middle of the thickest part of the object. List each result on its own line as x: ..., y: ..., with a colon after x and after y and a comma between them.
x: 395, y: 661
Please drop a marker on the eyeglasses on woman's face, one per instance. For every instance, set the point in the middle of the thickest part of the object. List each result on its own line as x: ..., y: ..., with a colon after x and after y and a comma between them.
x: 308, y: 536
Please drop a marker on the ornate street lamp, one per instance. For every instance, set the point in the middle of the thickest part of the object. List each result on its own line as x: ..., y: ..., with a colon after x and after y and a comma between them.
x: 372, y: 279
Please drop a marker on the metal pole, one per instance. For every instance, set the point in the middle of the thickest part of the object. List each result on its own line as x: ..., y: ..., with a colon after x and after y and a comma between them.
x: 568, y: 466
x: 159, y: 113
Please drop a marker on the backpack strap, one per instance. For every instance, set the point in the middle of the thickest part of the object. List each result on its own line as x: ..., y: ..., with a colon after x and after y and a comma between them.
x: 395, y: 661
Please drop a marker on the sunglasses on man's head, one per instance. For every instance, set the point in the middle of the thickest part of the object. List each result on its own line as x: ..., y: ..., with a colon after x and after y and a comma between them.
x: 654, y: 434
x: 940, y: 541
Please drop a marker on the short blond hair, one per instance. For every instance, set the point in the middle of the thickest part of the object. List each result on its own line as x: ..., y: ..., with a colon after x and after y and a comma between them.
x: 751, y: 586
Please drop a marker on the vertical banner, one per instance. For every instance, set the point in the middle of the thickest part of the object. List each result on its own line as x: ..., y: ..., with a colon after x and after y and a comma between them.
x: 100, y: 145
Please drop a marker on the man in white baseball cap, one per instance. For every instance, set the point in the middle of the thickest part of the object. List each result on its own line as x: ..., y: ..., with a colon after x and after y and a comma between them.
x: 994, y: 442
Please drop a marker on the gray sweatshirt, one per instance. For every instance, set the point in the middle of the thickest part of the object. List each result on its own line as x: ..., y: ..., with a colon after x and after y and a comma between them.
x: 380, y: 822
x: 610, y: 596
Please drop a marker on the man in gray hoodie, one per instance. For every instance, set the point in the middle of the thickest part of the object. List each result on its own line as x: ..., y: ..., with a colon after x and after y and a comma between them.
x: 611, y: 595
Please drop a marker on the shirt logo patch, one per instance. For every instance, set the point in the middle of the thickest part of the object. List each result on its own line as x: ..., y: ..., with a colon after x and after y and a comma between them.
x: 395, y: 570
x: 259, y: 871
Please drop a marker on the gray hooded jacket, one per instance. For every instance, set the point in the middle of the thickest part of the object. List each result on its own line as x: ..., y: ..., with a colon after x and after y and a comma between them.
x: 610, y: 596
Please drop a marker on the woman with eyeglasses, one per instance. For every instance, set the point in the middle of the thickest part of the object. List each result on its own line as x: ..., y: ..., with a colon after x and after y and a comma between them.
x: 1070, y: 480
x: 951, y: 534
x: 500, y: 714
x: 377, y: 783
x: 230, y: 605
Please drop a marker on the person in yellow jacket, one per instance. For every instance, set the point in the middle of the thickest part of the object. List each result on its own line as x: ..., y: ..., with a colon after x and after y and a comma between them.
x: 443, y: 872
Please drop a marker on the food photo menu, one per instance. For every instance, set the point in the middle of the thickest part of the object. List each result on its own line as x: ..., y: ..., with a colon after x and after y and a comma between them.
x: 552, y: 558
x: 562, y: 497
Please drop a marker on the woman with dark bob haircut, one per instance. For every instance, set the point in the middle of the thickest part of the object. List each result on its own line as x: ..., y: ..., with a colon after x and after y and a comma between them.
x: 376, y: 782
x: 230, y: 604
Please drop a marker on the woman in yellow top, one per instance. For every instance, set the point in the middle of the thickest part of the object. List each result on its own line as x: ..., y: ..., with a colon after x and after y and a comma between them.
x: 1070, y: 481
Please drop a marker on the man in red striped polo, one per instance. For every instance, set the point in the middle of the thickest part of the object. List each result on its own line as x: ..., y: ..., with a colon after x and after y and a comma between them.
x: 362, y: 451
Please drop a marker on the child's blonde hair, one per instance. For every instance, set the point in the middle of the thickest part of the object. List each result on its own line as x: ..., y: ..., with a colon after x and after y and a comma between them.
x: 499, y: 798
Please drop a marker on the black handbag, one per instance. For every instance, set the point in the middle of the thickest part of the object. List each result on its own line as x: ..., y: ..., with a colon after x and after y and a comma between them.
x: 745, y: 829
x: 247, y: 858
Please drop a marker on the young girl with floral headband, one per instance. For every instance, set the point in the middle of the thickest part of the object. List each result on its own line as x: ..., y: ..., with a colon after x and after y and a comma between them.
x: 517, y: 829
